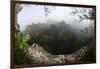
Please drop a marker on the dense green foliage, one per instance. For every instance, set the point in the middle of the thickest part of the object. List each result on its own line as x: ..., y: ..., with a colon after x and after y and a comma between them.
x: 21, y: 46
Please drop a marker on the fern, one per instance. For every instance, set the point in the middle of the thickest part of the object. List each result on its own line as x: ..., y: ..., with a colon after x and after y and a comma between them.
x: 21, y: 47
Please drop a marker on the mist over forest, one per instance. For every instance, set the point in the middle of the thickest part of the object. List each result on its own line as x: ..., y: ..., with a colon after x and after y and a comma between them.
x: 59, y: 34
x: 59, y: 37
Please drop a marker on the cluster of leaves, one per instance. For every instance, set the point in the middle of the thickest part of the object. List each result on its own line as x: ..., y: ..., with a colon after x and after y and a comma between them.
x: 56, y: 38
x: 20, y: 57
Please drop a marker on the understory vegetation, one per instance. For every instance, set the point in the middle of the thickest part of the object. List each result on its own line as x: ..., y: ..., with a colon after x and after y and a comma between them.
x: 21, y: 46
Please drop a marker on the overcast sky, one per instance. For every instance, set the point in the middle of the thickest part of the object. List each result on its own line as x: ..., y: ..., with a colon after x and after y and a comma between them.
x: 36, y: 14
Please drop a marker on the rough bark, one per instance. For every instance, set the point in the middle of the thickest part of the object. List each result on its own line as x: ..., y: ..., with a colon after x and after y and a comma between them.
x: 18, y: 8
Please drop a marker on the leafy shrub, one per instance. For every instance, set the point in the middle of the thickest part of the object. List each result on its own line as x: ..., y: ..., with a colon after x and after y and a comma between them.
x: 21, y: 47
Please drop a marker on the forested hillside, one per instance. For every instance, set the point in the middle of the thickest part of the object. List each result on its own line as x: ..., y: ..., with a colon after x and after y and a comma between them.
x: 54, y: 41
x: 58, y: 38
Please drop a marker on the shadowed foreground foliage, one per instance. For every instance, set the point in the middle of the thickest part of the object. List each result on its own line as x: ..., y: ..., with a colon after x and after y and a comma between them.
x: 21, y: 46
